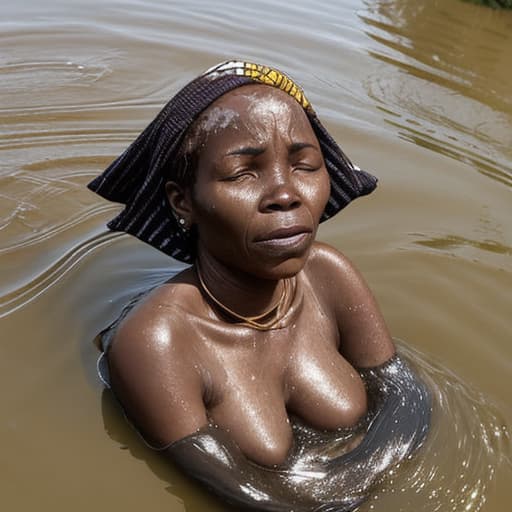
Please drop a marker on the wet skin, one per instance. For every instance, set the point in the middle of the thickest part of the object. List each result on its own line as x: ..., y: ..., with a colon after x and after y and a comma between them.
x: 177, y: 360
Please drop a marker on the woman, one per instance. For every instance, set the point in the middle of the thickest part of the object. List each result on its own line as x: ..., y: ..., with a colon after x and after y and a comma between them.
x: 234, y: 176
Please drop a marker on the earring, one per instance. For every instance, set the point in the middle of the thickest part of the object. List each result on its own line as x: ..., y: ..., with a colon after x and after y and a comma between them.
x: 183, y: 224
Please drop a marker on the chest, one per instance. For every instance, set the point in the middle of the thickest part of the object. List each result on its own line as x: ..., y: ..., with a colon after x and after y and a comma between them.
x: 254, y: 378
x: 260, y: 363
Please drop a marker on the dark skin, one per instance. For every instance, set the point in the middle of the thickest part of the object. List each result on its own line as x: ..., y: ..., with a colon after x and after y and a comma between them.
x: 178, y: 360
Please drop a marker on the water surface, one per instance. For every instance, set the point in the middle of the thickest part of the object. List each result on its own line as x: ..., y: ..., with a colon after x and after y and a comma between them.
x: 417, y: 92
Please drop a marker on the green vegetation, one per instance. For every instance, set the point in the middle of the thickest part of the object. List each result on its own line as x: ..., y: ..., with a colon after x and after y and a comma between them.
x: 495, y: 4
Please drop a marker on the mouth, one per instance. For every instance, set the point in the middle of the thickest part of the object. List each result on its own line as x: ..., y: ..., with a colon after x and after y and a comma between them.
x: 284, y: 233
x: 293, y: 237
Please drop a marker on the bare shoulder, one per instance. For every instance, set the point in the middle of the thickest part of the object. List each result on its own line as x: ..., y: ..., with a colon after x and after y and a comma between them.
x: 158, y: 320
x: 324, y: 254
x: 365, y: 339
x: 330, y: 267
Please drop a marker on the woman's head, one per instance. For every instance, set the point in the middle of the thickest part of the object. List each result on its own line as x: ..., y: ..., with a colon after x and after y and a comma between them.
x: 171, y: 147
x: 259, y: 183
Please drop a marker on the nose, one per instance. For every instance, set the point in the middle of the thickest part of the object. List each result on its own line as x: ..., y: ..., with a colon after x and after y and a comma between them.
x: 280, y: 196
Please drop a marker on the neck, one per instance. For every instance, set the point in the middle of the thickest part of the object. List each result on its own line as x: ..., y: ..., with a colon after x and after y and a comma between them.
x: 243, y: 293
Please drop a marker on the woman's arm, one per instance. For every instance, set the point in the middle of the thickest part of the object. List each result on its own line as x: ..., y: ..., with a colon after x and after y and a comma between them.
x: 154, y: 376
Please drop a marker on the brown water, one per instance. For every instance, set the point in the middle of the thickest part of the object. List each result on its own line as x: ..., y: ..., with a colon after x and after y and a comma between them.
x: 417, y: 91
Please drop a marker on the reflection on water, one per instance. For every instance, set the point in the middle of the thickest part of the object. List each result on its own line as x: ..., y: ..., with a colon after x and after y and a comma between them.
x: 416, y: 91
x: 448, y: 87
x: 452, y: 242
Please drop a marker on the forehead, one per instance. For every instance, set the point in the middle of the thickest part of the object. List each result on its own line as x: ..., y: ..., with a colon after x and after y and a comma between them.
x: 248, y: 94
x: 251, y: 108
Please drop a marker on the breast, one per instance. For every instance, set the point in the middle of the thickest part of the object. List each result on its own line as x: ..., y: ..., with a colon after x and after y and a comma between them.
x: 325, y: 390
x: 255, y: 416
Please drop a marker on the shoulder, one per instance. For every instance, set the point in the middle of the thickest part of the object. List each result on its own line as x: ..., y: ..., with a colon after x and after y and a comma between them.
x: 157, y: 326
x: 327, y: 266
x: 336, y: 278
x: 365, y: 339
x: 325, y: 254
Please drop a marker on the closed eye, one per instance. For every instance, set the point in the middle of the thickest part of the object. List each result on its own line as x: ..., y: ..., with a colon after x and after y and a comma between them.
x: 305, y: 156
x: 239, y: 175
x: 306, y: 167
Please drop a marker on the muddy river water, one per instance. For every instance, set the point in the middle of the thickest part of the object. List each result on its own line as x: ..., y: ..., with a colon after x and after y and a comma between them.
x: 418, y: 92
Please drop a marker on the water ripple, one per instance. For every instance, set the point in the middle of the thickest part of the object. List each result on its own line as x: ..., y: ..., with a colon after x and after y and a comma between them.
x: 25, y: 140
x: 451, y: 242
x: 46, y: 199
x: 24, y: 294
x: 468, y: 441
x: 429, y: 88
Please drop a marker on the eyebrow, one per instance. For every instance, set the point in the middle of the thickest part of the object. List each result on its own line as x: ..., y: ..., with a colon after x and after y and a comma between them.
x: 297, y: 146
x: 255, y: 151
x: 247, y: 150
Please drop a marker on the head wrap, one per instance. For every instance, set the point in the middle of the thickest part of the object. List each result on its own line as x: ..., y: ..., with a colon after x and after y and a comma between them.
x: 137, y: 177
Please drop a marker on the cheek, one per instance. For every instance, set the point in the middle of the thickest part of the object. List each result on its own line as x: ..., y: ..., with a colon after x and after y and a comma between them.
x: 226, y: 208
x: 229, y: 204
x: 318, y: 192
x: 326, y: 190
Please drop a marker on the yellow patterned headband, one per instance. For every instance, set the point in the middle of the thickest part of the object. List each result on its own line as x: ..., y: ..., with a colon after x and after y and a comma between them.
x: 264, y: 75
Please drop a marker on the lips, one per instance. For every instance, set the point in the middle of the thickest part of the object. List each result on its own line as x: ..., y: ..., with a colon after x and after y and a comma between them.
x: 284, y: 233
x: 285, y: 240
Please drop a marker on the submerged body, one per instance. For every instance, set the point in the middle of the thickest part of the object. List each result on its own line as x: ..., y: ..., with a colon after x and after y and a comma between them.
x: 325, y: 470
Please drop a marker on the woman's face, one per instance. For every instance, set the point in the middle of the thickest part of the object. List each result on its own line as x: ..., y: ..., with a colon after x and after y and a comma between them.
x: 261, y: 183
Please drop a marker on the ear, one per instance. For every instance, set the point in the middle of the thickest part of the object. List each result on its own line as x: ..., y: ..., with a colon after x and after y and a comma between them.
x: 179, y: 199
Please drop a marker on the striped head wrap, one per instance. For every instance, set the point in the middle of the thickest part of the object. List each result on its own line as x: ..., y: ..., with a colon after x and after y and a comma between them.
x: 137, y: 177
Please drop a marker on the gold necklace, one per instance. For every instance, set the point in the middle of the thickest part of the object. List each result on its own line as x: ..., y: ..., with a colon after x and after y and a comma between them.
x: 252, y: 321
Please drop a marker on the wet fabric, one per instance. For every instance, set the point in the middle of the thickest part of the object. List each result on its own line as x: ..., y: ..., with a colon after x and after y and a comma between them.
x: 325, y: 471
x: 320, y: 475
x: 137, y: 178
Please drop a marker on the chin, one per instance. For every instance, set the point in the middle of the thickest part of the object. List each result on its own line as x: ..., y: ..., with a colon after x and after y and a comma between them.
x: 283, y: 269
